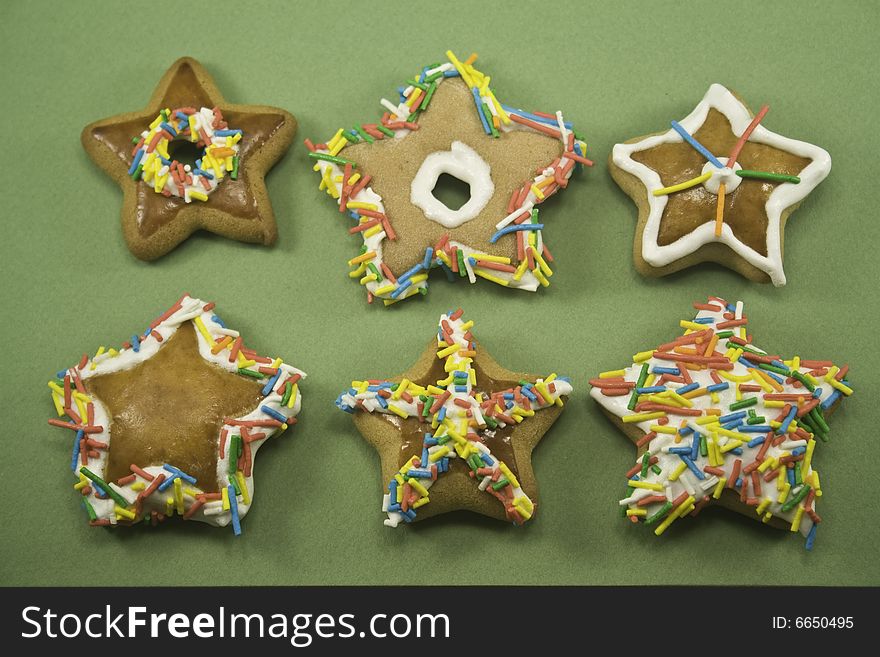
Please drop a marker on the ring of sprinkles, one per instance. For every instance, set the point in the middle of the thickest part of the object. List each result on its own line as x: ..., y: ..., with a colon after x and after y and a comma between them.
x: 354, y: 196
x: 204, y: 127
x: 720, y: 419
x: 151, y: 492
x: 455, y: 416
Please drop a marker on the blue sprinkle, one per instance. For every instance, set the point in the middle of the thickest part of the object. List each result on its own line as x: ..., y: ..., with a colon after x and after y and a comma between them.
x: 775, y: 377
x: 754, y: 442
x: 449, y: 274
x: 271, y: 412
x: 217, y: 320
x: 730, y: 417
x: 779, y: 364
x: 704, y: 320
x: 744, y: 361
x: 410, y: 273
x: 271, y: 383
x: 699, y: 474
x: 811, y: 537
x: 695, y: 447
x: 408, y: 515
x: 666, y: 370
x: 418, y: 473
x: 233, y: 510
x: 136, y: 161
x: 790, y: 475
x: 527, y: 392
x: 684, y: 431
x: 737, y: 450
x: 227, y: 133
x: 442, y: 414
x: 797, y: 451
x: 179, y: 473
x: 756, y: 428
x: 75, y: 460
x: 488, y: 460
x: 702, y: 150
x: 833, y: 397
x: 817, y: 393
x: 167, y: 483
x: 429, y: 255
x: 424, y: 455
x: 681, y: 450
x: 535, y: 117
x: 394, y: 507
x: 687, y: 388
x: 718, y: 387
x: 479, y: 105
x: 783, y: 428
x: 401, y: 288
x: 450, y: 74
x: 514, y: 228
x: 170, y: 129
x: 651, y: 389
x: 136, y: 343
x: 461, y: 389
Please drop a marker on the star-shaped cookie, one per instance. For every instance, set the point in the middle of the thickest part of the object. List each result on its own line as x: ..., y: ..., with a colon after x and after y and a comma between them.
x: 717, y: 419
x: 457, y: 430
x: 166, y: 198
x: 447, y: 121
x: 169, y: 424
x: 718, y: 186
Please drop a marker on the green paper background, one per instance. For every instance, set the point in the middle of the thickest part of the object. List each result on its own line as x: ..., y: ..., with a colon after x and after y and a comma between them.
x: 618, y: 70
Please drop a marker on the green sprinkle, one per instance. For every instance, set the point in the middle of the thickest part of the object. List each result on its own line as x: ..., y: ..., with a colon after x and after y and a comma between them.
x: 427, y: 99
x: 724, y: 334
x: 288, y: 390
x: 385, y: 131
x: 816, y: 416
x: 489, y: 118
x: 634, y: 398
x: 743, y: 403
x: 792, y: 502
x: 800, y: 377
x: 646, y: 461
x: 234, y: 453
x: 704, y: 446
x: 137, y: 172
x: 766, y: 175
x: 462, y: 270
x: 90, y: 509
x: 416, y: 83
x: 363, y: 135
x: 234, y: 173
x: 351, y: 136
x: 250, y: 373
x: 666, y: 508
x: 331, y: 158
x: 135, y: 140
x: 656, y: 469
x: 756, y: 419
x: 501, y: 483
x: 121, y: 501
x: 773, y: 368
x: 492, y: 422
x: 629, y: 491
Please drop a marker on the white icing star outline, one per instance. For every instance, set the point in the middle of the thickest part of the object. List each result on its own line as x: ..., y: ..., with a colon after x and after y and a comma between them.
x: 785, y: 195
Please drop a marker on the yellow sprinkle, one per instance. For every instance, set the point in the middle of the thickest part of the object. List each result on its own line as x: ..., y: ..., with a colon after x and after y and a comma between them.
x: 460, y: 68
x: 138, y: 486
x: 422, y: 501
x: 224, y: 494
x: 435, y: 456
x: 338, y: 146
x: 332, y: 142
x: 719, y: 488
x: 385, y: 289
x: 520, y: 270
x: 293, y: 392
x: 169, y: 506
x: 59, y: 403
x: 767, y: 517
x: 681, y: 509
x: 492, y: 258
x: 242, y: 486
x: 783, y: 494
x: 780, y: 479
x: 642, y: 417
x: 808, y: 457
x: 364, y: 257
x: 763, y: 505
x: 694, y: 326
x: 200, y: 325
x: 659, y: 428
x: 196, y: 194
x: 636, y: 512
x: 369, y: 278
x: 643, y: 356
x: 375, y: 230
x: 510, y: 476
x: 645, y: 484
x: 796, y: 521
x: 412, y: 481
x: 406, y: 466
x: 358, y: 205
x: 401, y: 388
x: 693, y: 182
x: 448, y: 351
x: 729, y: 445
x: 545, y: 268
x: 490, y: 277
x: 125, y: 513
x: 816, y: 486
x: 766, y: 463
x: 677, y: 472
x: 398, y: 411
x: 537, y: 192
x: 610, y: 374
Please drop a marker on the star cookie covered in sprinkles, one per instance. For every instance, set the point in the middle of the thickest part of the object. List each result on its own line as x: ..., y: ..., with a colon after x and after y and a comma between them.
x: 718, y: 420
x: 457, y: 430
x: 447, y: 121
x: 717, y: 186
x: 191, y: 161
x: 169, y: 423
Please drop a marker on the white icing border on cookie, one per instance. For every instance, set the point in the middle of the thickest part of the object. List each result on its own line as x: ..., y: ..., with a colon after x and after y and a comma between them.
x: 784, y: 196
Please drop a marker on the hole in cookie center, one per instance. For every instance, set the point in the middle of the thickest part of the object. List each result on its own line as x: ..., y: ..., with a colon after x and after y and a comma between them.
x: 185, y: 152
x: 451, y: 191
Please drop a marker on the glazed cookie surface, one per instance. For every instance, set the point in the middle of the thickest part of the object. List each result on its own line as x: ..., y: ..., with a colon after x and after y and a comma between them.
x: 191, y: 161
x: 457, y: 430
x: 169, y: 423
x: 716, y: 419
x: 448, y: 122
x: 718, y: 186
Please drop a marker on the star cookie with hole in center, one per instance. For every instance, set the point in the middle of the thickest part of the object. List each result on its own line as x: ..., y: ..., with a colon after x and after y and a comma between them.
x: 446, y: 122
x: 169, y: 423
x: 717, y: 186
x: 457, y: 430
x: 718, y: 420
x: 189, y: 161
